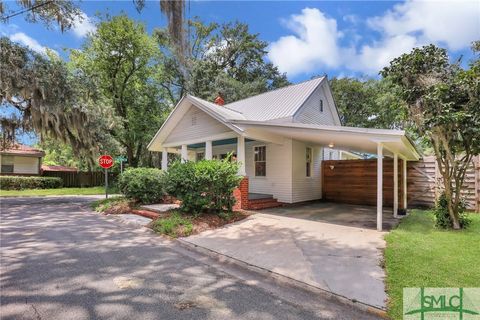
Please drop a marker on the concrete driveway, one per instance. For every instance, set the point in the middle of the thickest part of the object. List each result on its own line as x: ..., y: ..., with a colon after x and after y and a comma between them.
x: 341, y: 259
x: 59, y: 260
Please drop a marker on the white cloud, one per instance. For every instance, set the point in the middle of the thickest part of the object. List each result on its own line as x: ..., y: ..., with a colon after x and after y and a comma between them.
x: 83, y: 25
x: 456, y: 24
x: 314, y: 45
x: 33, y: 44
x: 315, y: 39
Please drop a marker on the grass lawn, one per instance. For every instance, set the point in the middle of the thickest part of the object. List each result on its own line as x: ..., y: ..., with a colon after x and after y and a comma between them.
x: 419, y: 255
x: 54, y: 192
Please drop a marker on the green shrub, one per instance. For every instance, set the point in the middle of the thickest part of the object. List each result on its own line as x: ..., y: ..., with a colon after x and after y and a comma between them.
x: 443, y: 219
x: 145, y: 185
x: 104, y: 205
x: 203, y: 185
x: 20, y: 182
x: 173, y: 226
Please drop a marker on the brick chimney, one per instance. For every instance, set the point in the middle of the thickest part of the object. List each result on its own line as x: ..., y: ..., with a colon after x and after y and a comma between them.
x: 219, y: 100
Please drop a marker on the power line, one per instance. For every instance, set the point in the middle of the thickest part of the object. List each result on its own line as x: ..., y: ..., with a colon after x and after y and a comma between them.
x: 26, y: 10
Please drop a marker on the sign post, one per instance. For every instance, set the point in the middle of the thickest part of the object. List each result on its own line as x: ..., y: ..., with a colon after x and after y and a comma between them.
x: 121, y: 159
x: 106, y: 162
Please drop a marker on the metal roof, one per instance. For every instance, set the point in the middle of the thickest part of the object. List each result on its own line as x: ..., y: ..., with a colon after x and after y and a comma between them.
x: 275, y: 104
x: 225, y: 112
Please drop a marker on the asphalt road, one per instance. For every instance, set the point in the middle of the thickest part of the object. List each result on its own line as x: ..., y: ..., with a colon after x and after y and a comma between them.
x: 59, y: 260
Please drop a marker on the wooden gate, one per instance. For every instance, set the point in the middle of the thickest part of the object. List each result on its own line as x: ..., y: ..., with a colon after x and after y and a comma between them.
x: 355, y: 181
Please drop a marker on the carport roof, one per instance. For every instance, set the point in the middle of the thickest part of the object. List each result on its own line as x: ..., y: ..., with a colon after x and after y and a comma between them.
x: 344, y: 138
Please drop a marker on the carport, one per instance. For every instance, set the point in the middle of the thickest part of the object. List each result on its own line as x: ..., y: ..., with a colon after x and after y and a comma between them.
x: 379, y: 142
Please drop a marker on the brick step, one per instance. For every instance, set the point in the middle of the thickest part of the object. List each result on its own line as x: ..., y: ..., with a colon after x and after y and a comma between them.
x: 258, y: 204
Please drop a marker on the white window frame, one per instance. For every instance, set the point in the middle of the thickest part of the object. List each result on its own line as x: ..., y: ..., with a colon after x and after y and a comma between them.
x: 255, y: 162
x: 309, y: 163
x: 10, y: 163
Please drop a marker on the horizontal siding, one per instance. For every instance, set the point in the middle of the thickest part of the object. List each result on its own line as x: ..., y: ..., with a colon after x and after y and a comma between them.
x: 25, y: 165
x: 306, y: 188
x: 310, y: 112
x: 196, y: 124
x: 278, y: 181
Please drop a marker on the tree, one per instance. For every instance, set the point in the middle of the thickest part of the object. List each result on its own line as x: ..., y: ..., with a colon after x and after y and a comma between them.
x: 444, y: 102
x: 62, y: 12
x: 121, y: 59
x: 39, y: 93
x: 225, y: 58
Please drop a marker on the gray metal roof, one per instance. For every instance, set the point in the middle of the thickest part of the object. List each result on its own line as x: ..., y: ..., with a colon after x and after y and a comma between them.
x: 222, y: 111
x: 275, y: 104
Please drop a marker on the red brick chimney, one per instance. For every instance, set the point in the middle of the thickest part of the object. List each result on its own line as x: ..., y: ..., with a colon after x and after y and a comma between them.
x: 219, y: 100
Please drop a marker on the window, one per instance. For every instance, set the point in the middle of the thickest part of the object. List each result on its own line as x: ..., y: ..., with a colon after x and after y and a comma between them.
x: 321, y: 105
x: 308, y: 161
x: 200, y: 156
x: 260, y: 161
x: 7, y: 164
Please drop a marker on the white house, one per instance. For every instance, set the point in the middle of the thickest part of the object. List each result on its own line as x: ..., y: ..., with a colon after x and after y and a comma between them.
x: 280, y: 138
x: 21, y: 160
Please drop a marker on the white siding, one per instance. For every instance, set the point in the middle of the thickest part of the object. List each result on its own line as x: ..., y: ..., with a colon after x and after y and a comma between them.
x: 196, y: 124
x: 310, y: 111
x: 278, y: 180
x: 26, y: 165
x: 306, y: 188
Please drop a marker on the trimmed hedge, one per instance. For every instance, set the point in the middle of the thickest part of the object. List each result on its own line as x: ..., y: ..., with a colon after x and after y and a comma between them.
x: 145, y: 185
x: 21, y: 182
x: 206, y: 185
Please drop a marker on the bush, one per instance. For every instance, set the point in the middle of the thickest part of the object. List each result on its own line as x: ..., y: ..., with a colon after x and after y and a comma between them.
x: 173, y: 226
x: 443, y: 219
x: 203, y: 185
x: 144, y: 185
x: 20, y: 183
x: 113, y: 205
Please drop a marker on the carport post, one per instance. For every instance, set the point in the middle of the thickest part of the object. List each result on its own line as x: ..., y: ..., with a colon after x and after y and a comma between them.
x: 404, y: 176
x: 184, y: 153
x: 208, y: 150
x: 379, y: 186
x: 395, y: 184
x: 164, y: 159
x: 241, y: 155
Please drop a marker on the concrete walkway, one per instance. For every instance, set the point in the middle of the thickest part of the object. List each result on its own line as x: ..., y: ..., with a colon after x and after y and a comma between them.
x: 341, y: 259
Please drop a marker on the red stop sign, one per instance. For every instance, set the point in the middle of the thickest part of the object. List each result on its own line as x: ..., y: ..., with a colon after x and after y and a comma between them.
x: 105, y: 161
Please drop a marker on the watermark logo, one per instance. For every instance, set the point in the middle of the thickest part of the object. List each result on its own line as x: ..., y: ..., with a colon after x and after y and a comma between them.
x: 441, y: 303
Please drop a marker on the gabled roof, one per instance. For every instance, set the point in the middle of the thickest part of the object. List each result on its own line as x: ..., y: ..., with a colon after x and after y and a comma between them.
x: 276, y: 104
x: 23, y: 150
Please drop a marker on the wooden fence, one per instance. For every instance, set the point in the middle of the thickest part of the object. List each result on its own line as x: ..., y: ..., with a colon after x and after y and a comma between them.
x: 81, y: 179
x: 354, y: 181
x: 425, y: 183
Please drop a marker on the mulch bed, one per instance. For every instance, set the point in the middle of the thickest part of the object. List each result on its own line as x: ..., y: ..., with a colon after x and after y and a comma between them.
x: 209, y: 221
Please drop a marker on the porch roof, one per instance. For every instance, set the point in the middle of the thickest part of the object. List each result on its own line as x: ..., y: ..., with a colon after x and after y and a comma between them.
x: 343, y: 138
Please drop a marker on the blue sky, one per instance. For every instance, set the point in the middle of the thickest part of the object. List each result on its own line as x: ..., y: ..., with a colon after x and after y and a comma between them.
x: 339, y: 38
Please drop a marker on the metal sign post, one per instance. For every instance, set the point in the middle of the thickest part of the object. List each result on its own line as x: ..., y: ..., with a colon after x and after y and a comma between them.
x: 106, y: 162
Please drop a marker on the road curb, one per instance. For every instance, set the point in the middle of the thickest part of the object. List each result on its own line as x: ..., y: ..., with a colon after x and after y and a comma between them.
x: 222, y: 258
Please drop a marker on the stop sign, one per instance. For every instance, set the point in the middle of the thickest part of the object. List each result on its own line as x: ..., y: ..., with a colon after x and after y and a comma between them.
x: 105, y: 161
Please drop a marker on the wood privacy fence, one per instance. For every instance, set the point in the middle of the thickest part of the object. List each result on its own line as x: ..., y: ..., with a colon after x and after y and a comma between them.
x: 82, y: 179
x: 355, y: 181
x: 425, y: 183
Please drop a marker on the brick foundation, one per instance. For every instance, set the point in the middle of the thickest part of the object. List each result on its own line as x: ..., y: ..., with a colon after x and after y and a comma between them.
x: 241, y: 195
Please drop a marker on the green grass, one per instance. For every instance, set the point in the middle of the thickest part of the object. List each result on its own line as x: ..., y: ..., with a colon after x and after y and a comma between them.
x: 419, y: 255
x: 170, y: 225
x: 104, y: 204
x: 54, y: 192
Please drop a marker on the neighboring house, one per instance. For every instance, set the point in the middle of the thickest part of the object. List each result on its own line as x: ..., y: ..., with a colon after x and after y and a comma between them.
x: 48, y: 168
x: 21, y: 160
x: 280, y: 137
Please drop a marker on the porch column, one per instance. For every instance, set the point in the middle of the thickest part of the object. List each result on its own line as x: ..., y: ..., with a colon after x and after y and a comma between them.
x: 241, y: 155
x: 395, y: 185
x: 404, y: 176
x: 379, y: 186
x: 184, y: 153
x: 164, y: 159
x: 208, y: 150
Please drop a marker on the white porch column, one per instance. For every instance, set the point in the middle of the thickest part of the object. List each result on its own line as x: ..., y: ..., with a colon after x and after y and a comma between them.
x: 395, y: 184
x: 184, y: 153
x: 379, y: 186
x: 404, y: 176
x: 208, y: 150
x: 241, y: 155
x: 164, y: 159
